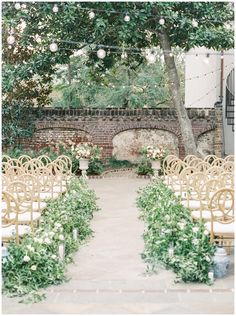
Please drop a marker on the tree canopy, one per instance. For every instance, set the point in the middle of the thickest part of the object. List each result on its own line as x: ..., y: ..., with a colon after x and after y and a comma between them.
x: 29, y: 64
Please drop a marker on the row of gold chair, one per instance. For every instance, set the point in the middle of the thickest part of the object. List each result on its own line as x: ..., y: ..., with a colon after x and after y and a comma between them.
x: 199, y: 190
x: 27, y: 185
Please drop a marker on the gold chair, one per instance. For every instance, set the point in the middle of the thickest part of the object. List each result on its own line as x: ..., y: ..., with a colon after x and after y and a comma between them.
x: 221, y: 206
x: 11, y: 227
x: 28, y: 211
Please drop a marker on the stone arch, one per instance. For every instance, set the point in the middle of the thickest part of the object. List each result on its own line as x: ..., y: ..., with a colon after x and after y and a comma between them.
x: 205, y: 142
x: 127, y: 143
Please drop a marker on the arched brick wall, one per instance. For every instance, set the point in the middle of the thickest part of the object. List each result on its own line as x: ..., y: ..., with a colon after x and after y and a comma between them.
x: 101, y: 125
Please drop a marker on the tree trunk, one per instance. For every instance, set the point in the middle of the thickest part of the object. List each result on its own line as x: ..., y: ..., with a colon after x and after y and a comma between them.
x: 174, y: 87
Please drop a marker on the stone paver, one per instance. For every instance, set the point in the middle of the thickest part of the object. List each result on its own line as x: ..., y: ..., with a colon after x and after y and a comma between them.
x: 108, y: 276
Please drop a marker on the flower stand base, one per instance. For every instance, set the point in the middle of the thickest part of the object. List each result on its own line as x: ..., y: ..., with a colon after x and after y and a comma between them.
x: 156, y: 166
x: 83, y: 165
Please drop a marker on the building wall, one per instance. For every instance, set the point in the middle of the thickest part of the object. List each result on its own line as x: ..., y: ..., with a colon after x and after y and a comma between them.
x: 108, y: 128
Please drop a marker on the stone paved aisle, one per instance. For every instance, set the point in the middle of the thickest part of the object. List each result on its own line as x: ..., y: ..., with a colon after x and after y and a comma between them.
x: 108, y: 276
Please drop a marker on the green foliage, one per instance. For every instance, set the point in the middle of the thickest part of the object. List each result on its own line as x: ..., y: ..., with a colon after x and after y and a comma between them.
x: 168, y: 223
x: 114, y: 163
x: 121, y: 86
x: 96, y: 167
x: 35, y: 264
x: 144, y: 167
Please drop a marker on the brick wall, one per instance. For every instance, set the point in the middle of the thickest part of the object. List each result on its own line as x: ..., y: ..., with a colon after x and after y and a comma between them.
x: 101, y: 125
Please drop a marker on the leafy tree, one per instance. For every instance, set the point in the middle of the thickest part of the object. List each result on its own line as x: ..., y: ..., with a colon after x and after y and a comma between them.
x: 72, y: 28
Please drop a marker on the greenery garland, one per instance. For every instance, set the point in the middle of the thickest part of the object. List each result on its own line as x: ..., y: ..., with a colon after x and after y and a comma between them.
x: 170, y: 225
x: 35, y: 264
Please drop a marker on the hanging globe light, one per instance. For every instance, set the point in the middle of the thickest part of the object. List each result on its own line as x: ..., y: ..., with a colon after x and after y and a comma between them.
x: 53, y: 47
x: 55, y: 9
x: 17, y: 6
x: 151, y: 58
x: 91, y: 15
x: 162, y: 21
x: 10, y: 39
x: 124, y: 55
x: 127, y: 18
x: 194, y: 23
x: 101, y: 53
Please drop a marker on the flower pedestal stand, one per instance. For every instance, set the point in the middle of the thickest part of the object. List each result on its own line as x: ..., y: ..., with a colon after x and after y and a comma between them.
x: 156, y: 166
x: 83, y: 165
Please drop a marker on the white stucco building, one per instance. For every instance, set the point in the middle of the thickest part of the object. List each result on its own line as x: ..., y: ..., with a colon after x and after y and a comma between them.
x: 203, y: 71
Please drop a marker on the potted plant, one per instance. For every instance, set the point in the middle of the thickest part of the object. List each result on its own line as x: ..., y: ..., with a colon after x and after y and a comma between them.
x: 155, y: 154
x: 85, y: 152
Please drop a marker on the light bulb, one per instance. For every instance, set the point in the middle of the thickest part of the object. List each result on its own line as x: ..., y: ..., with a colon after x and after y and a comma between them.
x: 55, y: 9
x: 91, y: 15
x: 162, y: 21
x: 124, y: 55
x: 206, y: 59
x: 101, y: 53
x: 11, y: 40
x: 151, y: 58
x: 53, y: 47
x: 194, y: 23
x: 127, y: 18
x: 17, y: 6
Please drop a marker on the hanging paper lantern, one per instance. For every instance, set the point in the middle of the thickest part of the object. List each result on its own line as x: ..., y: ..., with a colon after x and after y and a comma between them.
x: 127, y: 18
x: 11, y: 40
x: 101, y: 53
x: 124, y: 55
x: 17, y: 6
x: 194, y: 23
x: 55, y: 9
x: 162, y: 21
x: 151, y: 58
x: 53, y: 47
x: 91, y: 15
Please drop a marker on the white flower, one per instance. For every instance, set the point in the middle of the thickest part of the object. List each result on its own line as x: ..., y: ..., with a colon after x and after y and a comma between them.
x: 195, y: 241
x: 33, y: 268
x: 195, y: 229
x: 54, y: 257
x: 206, y: 232
x: 51, y: 234
x: 57, y: 225
x: 26, y: 259
x: 47, y: 241
x: 61, y: 237
x: 167, y: 217
x: 30, y: 248
x: 181, y: 225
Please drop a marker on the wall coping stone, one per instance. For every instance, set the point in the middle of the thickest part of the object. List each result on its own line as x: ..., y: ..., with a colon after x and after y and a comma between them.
x: 164, y: 113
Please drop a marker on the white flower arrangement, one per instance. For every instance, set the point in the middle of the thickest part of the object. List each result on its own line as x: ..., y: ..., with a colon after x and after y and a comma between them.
x: 86, y: 151
x: 154, y: 152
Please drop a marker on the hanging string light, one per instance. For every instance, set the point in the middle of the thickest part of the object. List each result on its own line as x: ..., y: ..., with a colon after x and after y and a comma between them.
x: 151, y: 58
x: 162, y: 21
x: 10, y: 39
x: 53, y: 47
x: 91, y: 15
x: 127, y: 18
x: 17, y: 6
x: 194, y: 23
x: 101, y: 53
x: 207, y: 59
x: 55, y: 8
x: 124, y: 55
